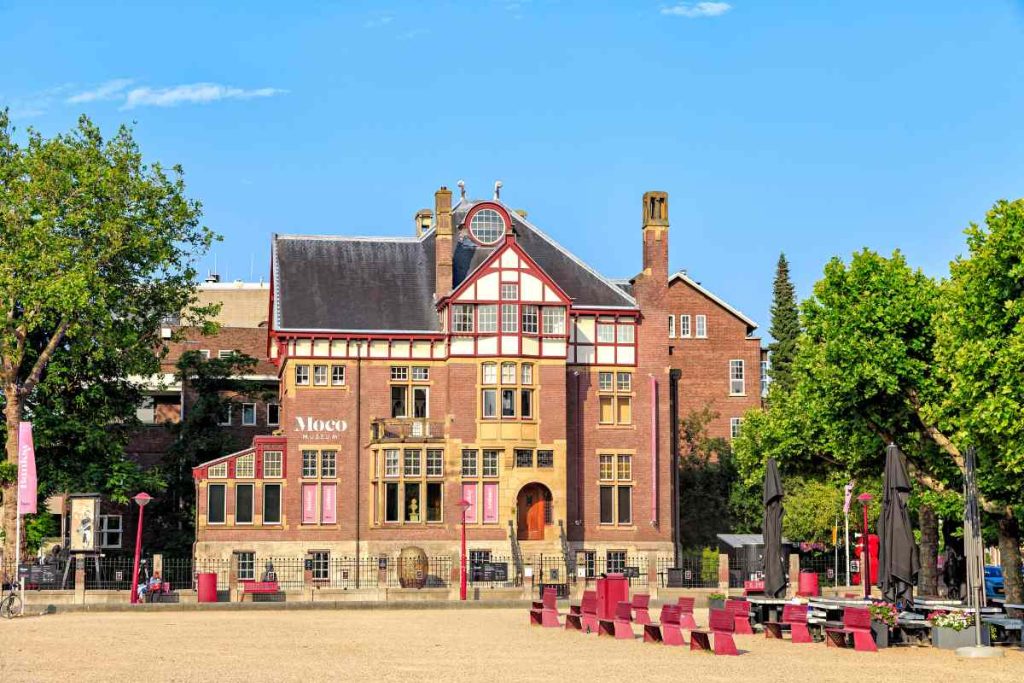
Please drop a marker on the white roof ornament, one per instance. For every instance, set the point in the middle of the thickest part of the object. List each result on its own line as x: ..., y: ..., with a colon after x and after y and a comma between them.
x: 497, y: 190
x: 462, y: 188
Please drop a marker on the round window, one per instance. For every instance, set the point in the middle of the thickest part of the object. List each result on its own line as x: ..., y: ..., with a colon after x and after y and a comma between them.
x: 487, y: 226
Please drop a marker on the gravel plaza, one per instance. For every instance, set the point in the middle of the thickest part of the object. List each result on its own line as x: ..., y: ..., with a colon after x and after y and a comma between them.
x: 422, y: 644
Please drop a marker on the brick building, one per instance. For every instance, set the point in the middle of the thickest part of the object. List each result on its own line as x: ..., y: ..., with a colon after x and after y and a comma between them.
x: 480, y: 361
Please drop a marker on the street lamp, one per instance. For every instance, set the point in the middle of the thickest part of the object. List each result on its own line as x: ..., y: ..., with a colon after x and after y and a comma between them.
x: 865, y: 565
x: 141, y: 500
x: 463, y: 505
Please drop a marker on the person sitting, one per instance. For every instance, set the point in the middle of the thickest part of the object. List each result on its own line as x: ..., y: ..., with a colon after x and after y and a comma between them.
x: 147, y: 587
x: 268, y: 572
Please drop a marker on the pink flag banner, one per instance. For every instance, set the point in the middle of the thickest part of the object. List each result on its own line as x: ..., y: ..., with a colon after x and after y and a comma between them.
x: 490, y: 503
x: 26, y: 470
x: 469, y: 495
x: 329, y: 504
x: 849, y: 496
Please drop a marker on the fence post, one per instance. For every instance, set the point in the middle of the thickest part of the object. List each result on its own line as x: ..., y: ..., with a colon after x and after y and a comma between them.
x: 794, y: 574
x: 158, y: 565
x: 723, y: 572
x: 80, y: 561
x: 233, y: 595
x: 652, y: 574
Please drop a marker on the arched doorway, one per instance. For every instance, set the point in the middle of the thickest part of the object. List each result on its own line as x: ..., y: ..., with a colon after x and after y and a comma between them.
x: 533, y: 505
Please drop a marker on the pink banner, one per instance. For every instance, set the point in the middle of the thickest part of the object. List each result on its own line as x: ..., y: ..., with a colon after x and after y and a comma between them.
x: 26, y: 470
x: 309, y: 503
x: 849, y: 494
x: 490, y: 503
x: 469, y: 495
x: 328, y: 503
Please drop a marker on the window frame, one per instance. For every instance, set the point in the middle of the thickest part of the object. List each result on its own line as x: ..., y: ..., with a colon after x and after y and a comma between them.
x: 616, y: 397
x: 223, y: 506
x: 684, y: 326
x: 487, y: 321
x: 735, y: 425
x: 615, y: 473
x: 555, y: 325
x: 265, y: 488
x: 245, y: 569
x: 252, y: 503
x: 741, y: 377
x: 276, y: 421
x: 672, y: 327
x: 529, y: 319
x: 337, y: 370
x: 250, y: 407
x: 104, y: 528
x: 302, y: 375
x: 463, y: 319
x: 321, y: 376
x: 701, y: 327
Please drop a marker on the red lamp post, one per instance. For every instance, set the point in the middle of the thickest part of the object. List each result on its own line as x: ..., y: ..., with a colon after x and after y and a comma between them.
x: 865, y: 565
x: 463, y: 505
x: 141, y: 500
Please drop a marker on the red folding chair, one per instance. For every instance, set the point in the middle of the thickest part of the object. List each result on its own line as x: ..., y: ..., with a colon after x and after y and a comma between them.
x: 641, y: 602
x: 686, y: 619
x: 740, y: 609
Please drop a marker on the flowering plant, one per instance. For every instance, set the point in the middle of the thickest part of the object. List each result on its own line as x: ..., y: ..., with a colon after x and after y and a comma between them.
x: 716, y: 596
x: 957, y: 621
x: 884, y: 612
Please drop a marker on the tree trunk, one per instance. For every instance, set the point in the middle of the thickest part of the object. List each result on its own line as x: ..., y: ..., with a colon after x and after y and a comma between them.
x: 12, y: 412
x: 1009, y: 551
x: 928, y: 581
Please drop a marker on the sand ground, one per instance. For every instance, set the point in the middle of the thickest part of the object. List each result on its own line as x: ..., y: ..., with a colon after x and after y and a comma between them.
x: 436, y: 645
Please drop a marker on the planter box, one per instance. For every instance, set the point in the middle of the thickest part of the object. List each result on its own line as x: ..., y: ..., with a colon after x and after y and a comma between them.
x: 948, y: 639
x: 716, y: 604
x: 881, y: 634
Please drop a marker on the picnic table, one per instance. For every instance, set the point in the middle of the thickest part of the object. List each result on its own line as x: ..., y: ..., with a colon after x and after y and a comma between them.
x: 766, y: 609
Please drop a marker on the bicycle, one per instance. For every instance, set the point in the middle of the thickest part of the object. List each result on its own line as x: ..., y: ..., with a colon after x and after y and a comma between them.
x: 11, y: 605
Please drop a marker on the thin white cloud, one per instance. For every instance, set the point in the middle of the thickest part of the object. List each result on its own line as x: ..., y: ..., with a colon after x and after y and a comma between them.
x: 696, y: 10
x: 414, y: 33
x: 193, y: 93
x: 377, y: 22
x: 111, y: 90
x: 36, y: 103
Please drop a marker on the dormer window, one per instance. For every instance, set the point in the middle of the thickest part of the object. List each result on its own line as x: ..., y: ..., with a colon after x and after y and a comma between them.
x: 487, y: 226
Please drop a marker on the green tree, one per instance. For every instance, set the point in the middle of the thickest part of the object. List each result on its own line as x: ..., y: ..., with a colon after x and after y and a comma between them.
x: 980, y: 354
x: 785, y: 326
x: 96, y: 247
x: 212, y: 386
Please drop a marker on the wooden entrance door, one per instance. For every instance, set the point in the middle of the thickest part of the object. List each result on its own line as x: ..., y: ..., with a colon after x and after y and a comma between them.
x: 531, y: 503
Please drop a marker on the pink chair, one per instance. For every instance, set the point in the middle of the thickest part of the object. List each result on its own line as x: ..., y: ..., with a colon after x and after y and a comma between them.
x: 545, y: 612
x: 641, y: 603
x: 856, y: 622
x: 794, y: 617
x: 740, y: 609
x: 667, y: 631
x: 583, y: 617
x: 686, y: 619
x: 723, y: 623
x: 620, y: 626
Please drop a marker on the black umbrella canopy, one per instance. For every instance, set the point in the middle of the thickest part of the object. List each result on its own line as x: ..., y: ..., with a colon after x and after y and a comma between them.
x: 898, y: 559
x: 774, y: 562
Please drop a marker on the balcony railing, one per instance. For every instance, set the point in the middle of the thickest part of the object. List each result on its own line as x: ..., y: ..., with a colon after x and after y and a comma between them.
x: 406, y: 429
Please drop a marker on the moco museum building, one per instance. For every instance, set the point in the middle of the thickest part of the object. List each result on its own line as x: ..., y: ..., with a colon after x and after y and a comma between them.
x: 476, y: 361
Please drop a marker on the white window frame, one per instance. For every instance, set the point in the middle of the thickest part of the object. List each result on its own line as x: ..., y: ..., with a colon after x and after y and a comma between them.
x: 462, y: 318
x: 273, y: 464
x: 701, y: 331
x: 330, y: 472
x: 509, y: 291
x: 489, y: 373
x: 737, y: 377
x: 245, y: 466
x: 553, y: 320
x: 487, y: 318
x: 321, y: 377
x: 205, y: 353
x: 735, y: 424
x: 338, y: 375
x: 280, y: 503
x: 489, y: 462
x: 420, y: 373
x: 302, y: 375
x: 246, y: 569
x: 626, y: 333
x: 509, y: 318
x: 684, y: 326
x: 435, y: 462
x: 225, y: 421
x: 224, y: 354
x: 529, y: 314
x: 606, y: 333
x: 252, y: 504
x: 224, y: 508
x: 671, y: 327
x: 392, y: 463
x: 508, y: 373
x: 251, y: 407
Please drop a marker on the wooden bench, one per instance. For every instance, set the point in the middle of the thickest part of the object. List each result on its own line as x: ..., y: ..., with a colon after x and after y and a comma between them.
x: 1005, y: 626
x: 641, y: 604
x: 154, y: 591
x: 753, y: 587
x: 583, y: 617
x: 259, y: 588
x: 666, y: 630
x: 794, y: 618
x: 620, y: 625
x: 856, y: 623
x: 686, y: 619
x: 722, y: 624
x: 740, y: 609
x: 545, y: 612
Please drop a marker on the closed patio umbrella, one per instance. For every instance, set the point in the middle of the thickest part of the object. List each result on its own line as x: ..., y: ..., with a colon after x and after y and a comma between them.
x: 774, y: 562
x: 898, y: 560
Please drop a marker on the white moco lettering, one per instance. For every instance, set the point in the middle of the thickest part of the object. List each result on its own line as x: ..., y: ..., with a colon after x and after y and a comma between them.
x: 312, y: 424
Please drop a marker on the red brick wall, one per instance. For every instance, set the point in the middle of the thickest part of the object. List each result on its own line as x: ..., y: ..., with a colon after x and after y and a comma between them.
x: 705, y: 362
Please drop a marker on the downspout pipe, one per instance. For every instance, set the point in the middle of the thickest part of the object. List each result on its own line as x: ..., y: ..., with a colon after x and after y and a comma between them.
x: 359, y: 452
x: 673, y: 407
x: 579, y: 448
x: 654, y: 451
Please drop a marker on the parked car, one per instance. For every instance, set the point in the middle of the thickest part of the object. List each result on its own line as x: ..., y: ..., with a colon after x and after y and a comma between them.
x: 994, y: 582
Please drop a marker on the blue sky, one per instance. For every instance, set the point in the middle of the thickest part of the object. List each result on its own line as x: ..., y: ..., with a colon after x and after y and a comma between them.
x: 814, y: 128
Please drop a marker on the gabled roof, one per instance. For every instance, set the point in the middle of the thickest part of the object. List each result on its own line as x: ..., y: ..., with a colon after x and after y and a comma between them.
x: 386, y: 284
x: 225, y: 458
x: 583, y: 284
x: 492, y: 255
x: 377, y: 284
x: 681, y: 275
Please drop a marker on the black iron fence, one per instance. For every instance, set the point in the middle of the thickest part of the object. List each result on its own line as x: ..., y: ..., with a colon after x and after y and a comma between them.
x: 693, y: 569
x: 825, y: 566
x: 493, y: 571
x: 109, y: 573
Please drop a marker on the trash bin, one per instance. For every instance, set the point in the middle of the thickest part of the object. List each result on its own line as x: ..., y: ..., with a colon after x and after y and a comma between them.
x: 808, y: 585
x: 206, y: 587
x: 611, y: 590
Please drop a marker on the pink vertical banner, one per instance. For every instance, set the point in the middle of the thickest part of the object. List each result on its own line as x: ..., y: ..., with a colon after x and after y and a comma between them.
x: 490, y: 503
x: 329, y: 503
x: 26, y: 470
x: 309, y: 503
x: 469, y: 495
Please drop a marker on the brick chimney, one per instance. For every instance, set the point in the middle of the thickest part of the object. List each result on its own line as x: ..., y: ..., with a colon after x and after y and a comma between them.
x: 443, y: 242
x: 655, y: 232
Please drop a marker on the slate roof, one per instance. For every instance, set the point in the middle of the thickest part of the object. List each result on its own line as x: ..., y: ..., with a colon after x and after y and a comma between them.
x: 324, y: 283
